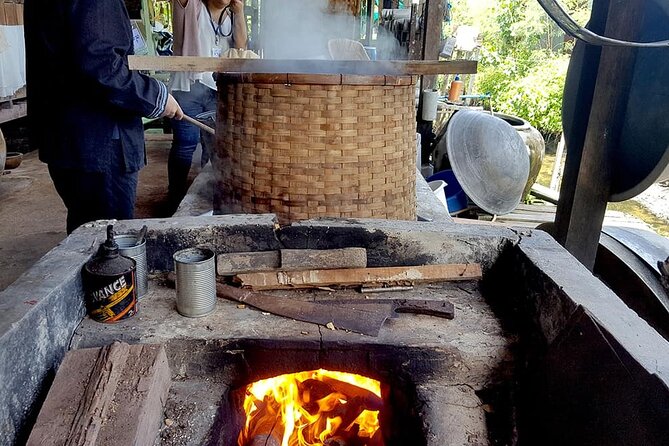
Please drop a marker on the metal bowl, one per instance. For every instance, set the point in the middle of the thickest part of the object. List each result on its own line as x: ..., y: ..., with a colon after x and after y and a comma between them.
x: 13, y: 160
x: 489, y: 159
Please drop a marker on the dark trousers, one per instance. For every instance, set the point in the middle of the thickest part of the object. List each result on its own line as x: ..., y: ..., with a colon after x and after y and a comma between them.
x: 90, y: 196
x: 186, y: 136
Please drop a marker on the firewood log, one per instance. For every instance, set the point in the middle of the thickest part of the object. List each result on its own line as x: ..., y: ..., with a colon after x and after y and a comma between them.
x: 265, y: 440
x: 368, y: 398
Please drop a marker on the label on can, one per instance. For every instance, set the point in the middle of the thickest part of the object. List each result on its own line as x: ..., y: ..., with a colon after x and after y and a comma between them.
x: 111, y: 298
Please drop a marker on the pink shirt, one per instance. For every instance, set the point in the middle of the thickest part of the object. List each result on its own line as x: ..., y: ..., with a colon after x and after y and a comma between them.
x: 196, y: 38
x: 185, y: 27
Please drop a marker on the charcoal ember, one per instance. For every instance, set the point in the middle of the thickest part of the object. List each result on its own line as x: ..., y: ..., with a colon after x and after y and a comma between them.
x: 369, y: 400
x: 335, y: 441
x: 376, y: 440
x: 349, y: 411
x: 264, y: 440
x: 314, y: 389
x: 264, y: 428
x: 353, y: 430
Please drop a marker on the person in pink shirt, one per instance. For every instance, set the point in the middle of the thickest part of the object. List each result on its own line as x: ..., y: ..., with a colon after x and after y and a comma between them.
x: 206, y: 28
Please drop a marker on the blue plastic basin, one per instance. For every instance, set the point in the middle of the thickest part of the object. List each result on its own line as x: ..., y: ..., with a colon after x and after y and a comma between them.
x: 456, y: 199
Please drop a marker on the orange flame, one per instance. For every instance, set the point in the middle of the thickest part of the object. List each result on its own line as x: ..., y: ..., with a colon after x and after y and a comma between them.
x: 313, y: 408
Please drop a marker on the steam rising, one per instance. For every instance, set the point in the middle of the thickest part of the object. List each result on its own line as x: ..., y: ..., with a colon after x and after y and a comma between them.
x: 300, y: 29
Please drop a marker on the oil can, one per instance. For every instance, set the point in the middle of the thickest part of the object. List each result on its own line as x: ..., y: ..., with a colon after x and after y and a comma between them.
x: 110, y: 283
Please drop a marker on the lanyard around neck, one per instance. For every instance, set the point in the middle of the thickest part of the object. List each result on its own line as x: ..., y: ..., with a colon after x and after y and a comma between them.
x: 217, y: 27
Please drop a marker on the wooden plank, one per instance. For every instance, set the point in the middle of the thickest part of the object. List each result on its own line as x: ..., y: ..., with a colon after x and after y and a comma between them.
x: 391, y: 67
x: 541, y: 208
x: 109, y: 395
x: 360, y: 276
x: 140, y: 398
x: 3, y: 15
x: 581, y: 212
x: 545, y: 193
x: 229, y: 264
x: 74, y: 410
x: 532, y: 217
x: 297, y: 259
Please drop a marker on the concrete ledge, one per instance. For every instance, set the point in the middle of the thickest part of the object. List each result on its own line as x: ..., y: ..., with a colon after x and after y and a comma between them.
x: 602, y: 370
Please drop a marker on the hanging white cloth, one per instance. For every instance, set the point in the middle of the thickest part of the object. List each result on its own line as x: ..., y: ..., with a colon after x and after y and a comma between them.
x: 3, y: 41
x: 12, y: 59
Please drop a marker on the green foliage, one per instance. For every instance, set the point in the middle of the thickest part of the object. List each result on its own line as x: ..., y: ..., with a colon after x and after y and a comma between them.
x: 535, y: 96
x: 524, y: 57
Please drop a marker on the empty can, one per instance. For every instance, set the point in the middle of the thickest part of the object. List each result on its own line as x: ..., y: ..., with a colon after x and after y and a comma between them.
x: 129, y: 246
x: 195, y: 281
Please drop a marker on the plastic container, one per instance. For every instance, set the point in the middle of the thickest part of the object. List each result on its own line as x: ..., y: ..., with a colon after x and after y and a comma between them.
x: 429, y: 110
x: 438, y: 188
x: 456, y: 90
x: 456, y: 199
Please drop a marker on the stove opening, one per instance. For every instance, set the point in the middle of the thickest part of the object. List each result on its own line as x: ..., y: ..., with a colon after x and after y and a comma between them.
x: 312, y: 408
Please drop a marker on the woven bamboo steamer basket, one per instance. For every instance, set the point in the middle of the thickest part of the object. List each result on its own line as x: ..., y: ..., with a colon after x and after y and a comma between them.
x: 304, y: 146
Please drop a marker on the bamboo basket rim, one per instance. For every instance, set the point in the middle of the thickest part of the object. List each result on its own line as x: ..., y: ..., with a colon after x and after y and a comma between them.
x: 316, y: 79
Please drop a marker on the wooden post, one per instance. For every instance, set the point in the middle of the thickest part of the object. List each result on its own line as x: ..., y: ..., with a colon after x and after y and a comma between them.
x: 586, y: 184
x: 433, y: 21
x: 426, y: 47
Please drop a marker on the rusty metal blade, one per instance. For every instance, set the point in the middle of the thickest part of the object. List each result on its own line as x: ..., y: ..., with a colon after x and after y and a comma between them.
x: 366, y: 321
x: 430, y: 307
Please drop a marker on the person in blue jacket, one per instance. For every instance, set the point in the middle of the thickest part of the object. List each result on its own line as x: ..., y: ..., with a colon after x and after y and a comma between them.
x: 85, y: 106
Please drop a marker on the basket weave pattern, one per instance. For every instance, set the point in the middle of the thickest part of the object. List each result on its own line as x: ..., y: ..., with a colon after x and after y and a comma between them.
x: 305, y: 150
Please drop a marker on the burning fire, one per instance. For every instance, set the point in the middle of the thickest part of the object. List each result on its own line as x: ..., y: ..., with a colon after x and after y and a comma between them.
x: 315, y: 408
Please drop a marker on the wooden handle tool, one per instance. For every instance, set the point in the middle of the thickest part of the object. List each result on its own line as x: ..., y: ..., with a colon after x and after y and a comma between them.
x: 197, y: 123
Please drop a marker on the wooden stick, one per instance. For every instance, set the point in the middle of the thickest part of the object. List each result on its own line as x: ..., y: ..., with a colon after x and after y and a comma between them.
x: 222, y: 65
x: 275, y: 280
x: 197, y: 123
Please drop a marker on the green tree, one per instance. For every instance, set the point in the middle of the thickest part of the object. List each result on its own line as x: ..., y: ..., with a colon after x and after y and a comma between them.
x: 524, y: 56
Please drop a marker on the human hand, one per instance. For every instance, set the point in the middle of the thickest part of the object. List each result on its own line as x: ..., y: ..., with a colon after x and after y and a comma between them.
x: 237, y: 6
x: 172, y: 109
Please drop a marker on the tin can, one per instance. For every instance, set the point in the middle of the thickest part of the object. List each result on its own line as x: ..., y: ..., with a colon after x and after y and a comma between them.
x: 110, y: 284
x: 195, y: 281
x: 128, y: 247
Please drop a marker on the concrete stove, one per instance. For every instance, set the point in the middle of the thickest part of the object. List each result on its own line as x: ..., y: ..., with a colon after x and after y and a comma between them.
x: 539, y: 351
